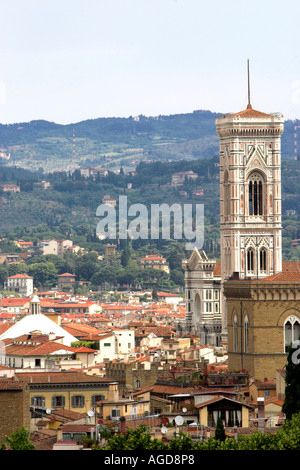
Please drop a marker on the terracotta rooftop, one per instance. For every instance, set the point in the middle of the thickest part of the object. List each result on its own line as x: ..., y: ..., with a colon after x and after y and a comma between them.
x: 66, y: 274
x: 249, y: 112
x: 290, y: 273
x: 20, y: 276
x: 11, y: 384
x: 60, y: 378
x: 42, y: 349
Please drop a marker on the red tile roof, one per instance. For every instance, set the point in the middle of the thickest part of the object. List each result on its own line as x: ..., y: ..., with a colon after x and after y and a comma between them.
x: 291, y: 266
x: 11, y: 384
x: 290, y: 273
x: 251, y: 113
x: 43, y: 349
x: 20, y: 276
x: 13, y: 301
x: 60, y: 378
x: 66, y: 274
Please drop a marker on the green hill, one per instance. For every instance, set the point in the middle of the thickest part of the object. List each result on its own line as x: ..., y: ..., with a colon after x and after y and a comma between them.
x: 114, y: 142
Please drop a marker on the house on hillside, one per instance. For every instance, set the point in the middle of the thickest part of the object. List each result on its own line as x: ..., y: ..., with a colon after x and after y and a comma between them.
x: 54, y: 247
x: 178, y: 179
x: 21, y: 284
x: 12, y: 188
x: 65, y: 279
x: 155, y: 262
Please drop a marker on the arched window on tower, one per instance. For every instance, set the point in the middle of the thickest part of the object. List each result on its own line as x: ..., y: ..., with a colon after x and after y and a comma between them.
x: 263, y: 260
x: 250, y: 261
x: 255, y: 190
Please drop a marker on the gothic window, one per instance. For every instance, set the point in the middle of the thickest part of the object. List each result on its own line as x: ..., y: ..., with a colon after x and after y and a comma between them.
x: 235, y: 334
x: 255, y: 194
x: 197, y: 306
x: 246, y: 325
x: 250, y: 260
x: 263, y: 260
x: 226, y: 195
x: 291, y: 331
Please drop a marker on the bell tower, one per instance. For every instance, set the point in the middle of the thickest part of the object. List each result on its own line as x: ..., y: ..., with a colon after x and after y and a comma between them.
x: 250, y: 218
x: 250, y: 192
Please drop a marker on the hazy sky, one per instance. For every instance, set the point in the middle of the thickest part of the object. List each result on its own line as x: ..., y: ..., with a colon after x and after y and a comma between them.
x: 70, y: 60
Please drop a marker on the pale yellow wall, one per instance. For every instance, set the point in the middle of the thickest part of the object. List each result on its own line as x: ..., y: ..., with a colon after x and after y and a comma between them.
x: 203, y: 416
x: 125, y: 408
x: 245, y: 417
x: 68, y: 394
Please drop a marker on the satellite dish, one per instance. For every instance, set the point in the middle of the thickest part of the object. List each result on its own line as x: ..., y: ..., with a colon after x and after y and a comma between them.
x: 184, y: 410
x: 164, y: 430
x: 179, y: 420
x: 48, y: 411
x: 90, y: 413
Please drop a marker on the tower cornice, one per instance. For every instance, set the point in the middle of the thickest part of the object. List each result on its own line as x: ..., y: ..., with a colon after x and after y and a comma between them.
x: 250, y: 123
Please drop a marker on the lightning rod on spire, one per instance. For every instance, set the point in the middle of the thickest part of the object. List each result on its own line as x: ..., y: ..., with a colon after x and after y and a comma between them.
x: 249, y: 102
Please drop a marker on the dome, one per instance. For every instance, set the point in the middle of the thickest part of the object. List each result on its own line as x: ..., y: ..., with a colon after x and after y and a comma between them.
x: 37, y: 322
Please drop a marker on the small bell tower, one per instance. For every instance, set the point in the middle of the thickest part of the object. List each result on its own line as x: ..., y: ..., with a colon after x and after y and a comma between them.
x: 35, y: 305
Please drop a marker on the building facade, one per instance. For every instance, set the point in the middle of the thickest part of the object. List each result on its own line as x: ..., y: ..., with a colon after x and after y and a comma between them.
x: 263, y: 321
x: 21, y: 284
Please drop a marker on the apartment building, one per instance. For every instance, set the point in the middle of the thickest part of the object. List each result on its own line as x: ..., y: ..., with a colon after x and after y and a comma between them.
x: 54, y: 247
x: 21, y: 284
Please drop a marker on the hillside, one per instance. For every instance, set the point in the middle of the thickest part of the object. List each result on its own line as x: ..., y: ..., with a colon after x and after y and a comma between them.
x: 73, y: 199
x: 114, y: 142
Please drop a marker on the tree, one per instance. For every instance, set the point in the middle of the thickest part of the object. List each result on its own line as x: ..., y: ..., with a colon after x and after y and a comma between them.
x: 44, y: 274
x: 87, y: 266
x: 125, y: 257
x: 292, y: 390
x: 3, y: 275
x: 19, y: 440
x: 220, y: 431
x: 155, y: 295
x: 137, y: 439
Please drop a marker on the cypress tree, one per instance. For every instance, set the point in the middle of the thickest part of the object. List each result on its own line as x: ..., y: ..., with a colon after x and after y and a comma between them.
x: 292, y: 388
x: 220, y: 431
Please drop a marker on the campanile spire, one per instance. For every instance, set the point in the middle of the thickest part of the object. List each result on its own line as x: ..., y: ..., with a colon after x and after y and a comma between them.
x: 249, y: 100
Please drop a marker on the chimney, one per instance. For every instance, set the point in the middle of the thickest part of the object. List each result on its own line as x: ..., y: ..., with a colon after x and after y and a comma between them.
x: 261, y: 414
x: 123, y: 425
x: 51, y: 336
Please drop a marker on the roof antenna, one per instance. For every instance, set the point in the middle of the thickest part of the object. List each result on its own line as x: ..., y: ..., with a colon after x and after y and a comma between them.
x: 249, y: 104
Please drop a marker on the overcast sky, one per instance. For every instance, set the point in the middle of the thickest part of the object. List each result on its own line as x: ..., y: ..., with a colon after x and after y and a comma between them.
x: 70, y: 60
